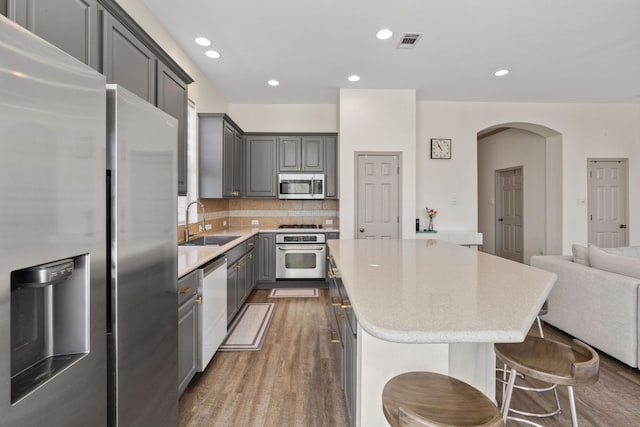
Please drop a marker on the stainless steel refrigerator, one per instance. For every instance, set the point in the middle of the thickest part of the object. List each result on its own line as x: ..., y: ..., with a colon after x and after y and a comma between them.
x: 88, y: 246
x: 143, y: 319
x: 53, y: 351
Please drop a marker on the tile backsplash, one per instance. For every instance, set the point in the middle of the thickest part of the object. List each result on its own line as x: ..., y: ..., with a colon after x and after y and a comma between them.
x: 269, y: 213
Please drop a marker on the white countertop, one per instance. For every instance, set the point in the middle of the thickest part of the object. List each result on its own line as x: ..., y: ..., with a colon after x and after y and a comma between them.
x: 434, y: 291
x: 192, y: 257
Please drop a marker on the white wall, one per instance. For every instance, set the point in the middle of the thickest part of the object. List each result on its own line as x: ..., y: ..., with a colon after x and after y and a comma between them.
x: 377, y: 120
x: 285, y: 117
x: 512, y: 148
x: 207, y: 98
x: 588, y: 130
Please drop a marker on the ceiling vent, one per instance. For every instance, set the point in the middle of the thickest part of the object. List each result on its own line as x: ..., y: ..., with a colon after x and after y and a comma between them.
x: 409, y: 40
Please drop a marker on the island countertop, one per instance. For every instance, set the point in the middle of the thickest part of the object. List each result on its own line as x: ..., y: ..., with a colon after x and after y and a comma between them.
x: 434, y: 291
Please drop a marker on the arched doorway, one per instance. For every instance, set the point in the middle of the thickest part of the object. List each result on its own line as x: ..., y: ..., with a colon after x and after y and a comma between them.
x: 536, y: 150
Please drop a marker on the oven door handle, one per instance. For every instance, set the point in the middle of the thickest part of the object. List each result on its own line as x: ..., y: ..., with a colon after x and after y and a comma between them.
x: 300, y: 248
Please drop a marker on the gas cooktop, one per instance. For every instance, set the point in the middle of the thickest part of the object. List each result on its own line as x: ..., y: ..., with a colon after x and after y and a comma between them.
x: 309, y: 226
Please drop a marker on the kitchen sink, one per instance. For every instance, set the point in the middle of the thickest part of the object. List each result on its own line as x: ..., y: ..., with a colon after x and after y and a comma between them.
x: 209, y: 241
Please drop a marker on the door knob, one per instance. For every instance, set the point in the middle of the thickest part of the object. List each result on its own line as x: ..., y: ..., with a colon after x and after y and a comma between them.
x: 623, y: 225
x: 500, y: 219
x: 362, y: 230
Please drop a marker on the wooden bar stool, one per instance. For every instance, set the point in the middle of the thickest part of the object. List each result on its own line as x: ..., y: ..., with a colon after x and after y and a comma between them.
x: 503, y: 379
x: 551, y: 362
x: 427, y: 399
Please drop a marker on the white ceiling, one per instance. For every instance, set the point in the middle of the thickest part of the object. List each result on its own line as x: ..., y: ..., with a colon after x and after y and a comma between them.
x: 585, y: 51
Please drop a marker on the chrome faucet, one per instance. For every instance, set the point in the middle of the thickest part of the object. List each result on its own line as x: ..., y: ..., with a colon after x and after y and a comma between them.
x: 186, y: 222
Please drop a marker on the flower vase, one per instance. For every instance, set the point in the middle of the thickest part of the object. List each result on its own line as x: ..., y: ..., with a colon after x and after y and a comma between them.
x: 430, y: 226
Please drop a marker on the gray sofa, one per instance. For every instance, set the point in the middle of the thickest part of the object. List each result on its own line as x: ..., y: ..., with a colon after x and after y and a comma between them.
x: 596, y: 298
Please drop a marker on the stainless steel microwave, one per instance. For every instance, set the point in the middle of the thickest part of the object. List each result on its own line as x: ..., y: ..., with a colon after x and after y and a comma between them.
x: 301, y: 186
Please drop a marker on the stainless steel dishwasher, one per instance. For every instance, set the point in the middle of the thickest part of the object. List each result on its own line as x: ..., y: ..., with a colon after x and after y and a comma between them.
x: 213, y: 310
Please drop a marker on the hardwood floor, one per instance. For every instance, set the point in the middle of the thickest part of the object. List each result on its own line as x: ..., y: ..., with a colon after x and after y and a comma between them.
x: 293, y: 381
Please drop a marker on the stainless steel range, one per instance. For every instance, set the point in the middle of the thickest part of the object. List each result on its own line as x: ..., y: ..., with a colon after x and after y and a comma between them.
x: 300, y: 255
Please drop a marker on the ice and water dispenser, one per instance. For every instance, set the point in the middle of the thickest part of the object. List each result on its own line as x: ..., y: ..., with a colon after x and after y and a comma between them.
x: 49, y: 321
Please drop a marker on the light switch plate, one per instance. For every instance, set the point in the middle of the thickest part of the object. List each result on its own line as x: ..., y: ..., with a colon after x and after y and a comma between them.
x: 328, y: 221
x: 255, y: 222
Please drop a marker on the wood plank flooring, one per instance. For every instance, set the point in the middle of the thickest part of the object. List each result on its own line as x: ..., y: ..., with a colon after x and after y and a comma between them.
x: 293, y: 380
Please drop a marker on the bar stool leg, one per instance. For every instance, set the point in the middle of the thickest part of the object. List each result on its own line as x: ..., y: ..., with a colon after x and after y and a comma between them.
x: 507, y: 399
x: 540, y: 326
x: 572, y: 404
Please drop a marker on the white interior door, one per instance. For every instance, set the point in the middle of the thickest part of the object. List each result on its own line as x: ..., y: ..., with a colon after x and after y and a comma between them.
x: 608, y: 203
x: 509, y: 233
x: 378, y: 210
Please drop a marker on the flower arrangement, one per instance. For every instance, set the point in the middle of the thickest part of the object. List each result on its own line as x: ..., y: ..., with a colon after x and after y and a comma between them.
x: 431, y: 213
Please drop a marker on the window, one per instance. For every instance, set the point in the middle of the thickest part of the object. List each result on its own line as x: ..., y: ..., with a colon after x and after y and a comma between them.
x: 192, y: 167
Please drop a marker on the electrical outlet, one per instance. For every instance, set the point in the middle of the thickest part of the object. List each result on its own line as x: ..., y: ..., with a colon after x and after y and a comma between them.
x: 224, y: 223
x: 255, y: 222
x: 328, y: 221
x: 207, y: 226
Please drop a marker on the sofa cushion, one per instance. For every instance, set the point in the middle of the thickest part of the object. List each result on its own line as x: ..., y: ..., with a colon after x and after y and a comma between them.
x: 603, y: 260
x: 580, y: 254
x: 629, y: 251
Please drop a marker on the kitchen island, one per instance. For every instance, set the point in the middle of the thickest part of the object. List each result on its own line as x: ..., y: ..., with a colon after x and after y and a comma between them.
x: 434, y: 306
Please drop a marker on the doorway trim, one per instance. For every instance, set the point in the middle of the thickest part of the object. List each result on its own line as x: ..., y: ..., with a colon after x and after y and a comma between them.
x: 356, y: 183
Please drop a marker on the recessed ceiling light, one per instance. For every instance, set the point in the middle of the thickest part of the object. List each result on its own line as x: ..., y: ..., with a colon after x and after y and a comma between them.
x: 203, y: 41
x: 212, y: 54
x: 501, y: 73
x: 384, y: 34
x: 273, y: 82
x: 353, y: 78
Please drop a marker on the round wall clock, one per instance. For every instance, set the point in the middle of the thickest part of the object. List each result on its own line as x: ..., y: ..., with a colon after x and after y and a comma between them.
x: 440, y: 148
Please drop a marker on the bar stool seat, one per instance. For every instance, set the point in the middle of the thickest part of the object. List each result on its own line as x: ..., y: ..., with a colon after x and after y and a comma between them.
x: 551, y: 362
x: 428, y: 399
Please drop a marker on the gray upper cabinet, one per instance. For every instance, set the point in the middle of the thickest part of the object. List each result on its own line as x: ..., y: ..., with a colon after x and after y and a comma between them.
x: 290, y: 148
x: 172, y: 99
x: 126, y: 60
x: 301, y: 153
x: 221, y: 157
x: 102, y: 35
x: 331, y: 167
x: 313, y: 153
x: 260, y: 166
x: 70, y: 25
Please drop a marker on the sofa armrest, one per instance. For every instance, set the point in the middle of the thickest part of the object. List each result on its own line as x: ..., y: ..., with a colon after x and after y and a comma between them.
x: 596, y: 306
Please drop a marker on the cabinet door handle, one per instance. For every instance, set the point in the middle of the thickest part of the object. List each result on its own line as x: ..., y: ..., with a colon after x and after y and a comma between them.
x: 185, y: 291
x: 199, y: 300
x: 345, y: 303
x: 335, y: 301
x: 334, y: 337
x: 623, y: 225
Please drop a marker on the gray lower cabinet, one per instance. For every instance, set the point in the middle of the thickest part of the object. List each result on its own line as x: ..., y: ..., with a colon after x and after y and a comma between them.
x: 70, y: 25
x: 172, y: 99
x: 126, y: 60
x: 344, y: 338
x: 266, y: 254
x: 260, y: 166
x: 240, y: 276
x: 221, y: 157
x: 232, y: 291
x: 187, y: 329
x: 331, y: 167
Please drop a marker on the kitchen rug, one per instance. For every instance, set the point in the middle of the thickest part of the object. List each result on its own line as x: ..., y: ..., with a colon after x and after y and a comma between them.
x: 248, y: 330
x: 294, y: 293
